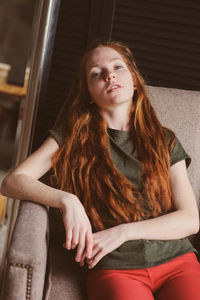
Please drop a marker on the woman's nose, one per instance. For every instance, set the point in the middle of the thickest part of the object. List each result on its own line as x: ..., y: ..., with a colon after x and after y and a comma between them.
x: 109, y: 75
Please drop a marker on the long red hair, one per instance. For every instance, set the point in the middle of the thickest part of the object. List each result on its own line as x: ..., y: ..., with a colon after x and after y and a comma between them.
x: 82, y: 165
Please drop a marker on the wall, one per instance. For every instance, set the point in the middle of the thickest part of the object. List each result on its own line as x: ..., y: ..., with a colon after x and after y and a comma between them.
x: 15, y: 26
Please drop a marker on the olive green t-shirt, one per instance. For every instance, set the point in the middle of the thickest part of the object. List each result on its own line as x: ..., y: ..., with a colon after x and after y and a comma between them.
x: 140, y: 253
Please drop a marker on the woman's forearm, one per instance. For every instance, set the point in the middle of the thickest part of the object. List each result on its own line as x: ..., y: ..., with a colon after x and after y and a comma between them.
x: 77, y: 225
x: 24, y: 187
x: 174, y: 225
x: 178, y: 224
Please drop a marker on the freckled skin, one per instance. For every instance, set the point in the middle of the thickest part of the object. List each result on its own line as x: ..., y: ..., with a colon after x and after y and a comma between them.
x: 105, y: 68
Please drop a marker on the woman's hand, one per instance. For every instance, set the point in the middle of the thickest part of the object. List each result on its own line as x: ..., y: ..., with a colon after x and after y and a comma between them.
x: 77, y: 226
x: 104, y: 242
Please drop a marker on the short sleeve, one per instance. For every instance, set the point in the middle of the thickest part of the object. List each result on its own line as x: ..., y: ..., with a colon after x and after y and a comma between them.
x: 59, y: 130
x: 178, y: 153
x: 56, y: 135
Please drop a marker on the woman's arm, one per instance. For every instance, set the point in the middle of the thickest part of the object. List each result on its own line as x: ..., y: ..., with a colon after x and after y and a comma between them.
x: 183, y: 222
x: 23, y: 184
x: 175, y: 225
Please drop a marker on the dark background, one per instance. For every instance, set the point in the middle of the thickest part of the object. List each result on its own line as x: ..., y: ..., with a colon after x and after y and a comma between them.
x: 164, y: 36
x: 16, y: 17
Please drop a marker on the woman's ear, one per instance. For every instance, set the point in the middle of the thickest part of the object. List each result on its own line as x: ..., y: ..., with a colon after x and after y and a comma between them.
x: 134, y: 81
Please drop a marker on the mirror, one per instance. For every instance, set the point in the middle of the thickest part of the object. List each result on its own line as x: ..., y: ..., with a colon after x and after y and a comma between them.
x: 15, y: 40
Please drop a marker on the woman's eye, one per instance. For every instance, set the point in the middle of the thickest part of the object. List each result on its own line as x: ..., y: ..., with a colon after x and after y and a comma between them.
x: 95, y: 75
x: 117, y: 67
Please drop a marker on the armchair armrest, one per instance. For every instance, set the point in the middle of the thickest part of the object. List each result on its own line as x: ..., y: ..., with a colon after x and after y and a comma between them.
x: 27, y: 253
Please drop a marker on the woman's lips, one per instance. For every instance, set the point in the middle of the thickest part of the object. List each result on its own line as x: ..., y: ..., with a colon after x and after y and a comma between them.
x: 113, y: 88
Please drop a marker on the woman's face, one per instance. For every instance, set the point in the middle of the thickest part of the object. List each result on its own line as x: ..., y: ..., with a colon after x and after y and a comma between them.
x: 110, y: 83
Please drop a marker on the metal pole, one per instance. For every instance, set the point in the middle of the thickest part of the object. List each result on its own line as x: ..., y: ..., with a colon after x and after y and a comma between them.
x: 45, y: 17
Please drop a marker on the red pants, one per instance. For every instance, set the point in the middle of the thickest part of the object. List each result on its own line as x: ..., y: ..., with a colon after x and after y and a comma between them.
x: 178, y: 279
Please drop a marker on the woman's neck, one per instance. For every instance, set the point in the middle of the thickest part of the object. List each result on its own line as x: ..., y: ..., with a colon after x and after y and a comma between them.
x: 117, y: 118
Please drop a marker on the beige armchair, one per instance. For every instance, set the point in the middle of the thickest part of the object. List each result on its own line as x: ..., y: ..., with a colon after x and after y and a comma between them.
x: 37, y: 265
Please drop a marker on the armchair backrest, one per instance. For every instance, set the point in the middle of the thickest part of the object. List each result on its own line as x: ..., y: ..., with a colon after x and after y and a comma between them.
x: 180, y: 111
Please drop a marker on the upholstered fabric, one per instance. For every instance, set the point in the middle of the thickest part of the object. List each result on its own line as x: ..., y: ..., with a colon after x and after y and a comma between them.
x: 66, y: 279
x: 27, y: 255
x: 179, y: 110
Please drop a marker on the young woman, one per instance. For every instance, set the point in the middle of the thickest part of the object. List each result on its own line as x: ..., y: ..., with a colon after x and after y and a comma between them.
x: 121, y: 183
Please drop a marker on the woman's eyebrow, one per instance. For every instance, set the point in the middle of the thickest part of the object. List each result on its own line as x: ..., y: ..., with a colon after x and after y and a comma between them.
x: 96, y: 65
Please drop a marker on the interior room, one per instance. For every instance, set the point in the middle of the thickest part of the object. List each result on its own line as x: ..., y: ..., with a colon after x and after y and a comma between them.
x: 41, y: 42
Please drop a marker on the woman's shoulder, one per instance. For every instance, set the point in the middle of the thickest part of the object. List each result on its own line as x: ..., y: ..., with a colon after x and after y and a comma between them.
x: 170, y: 135
x: 176, y: 149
